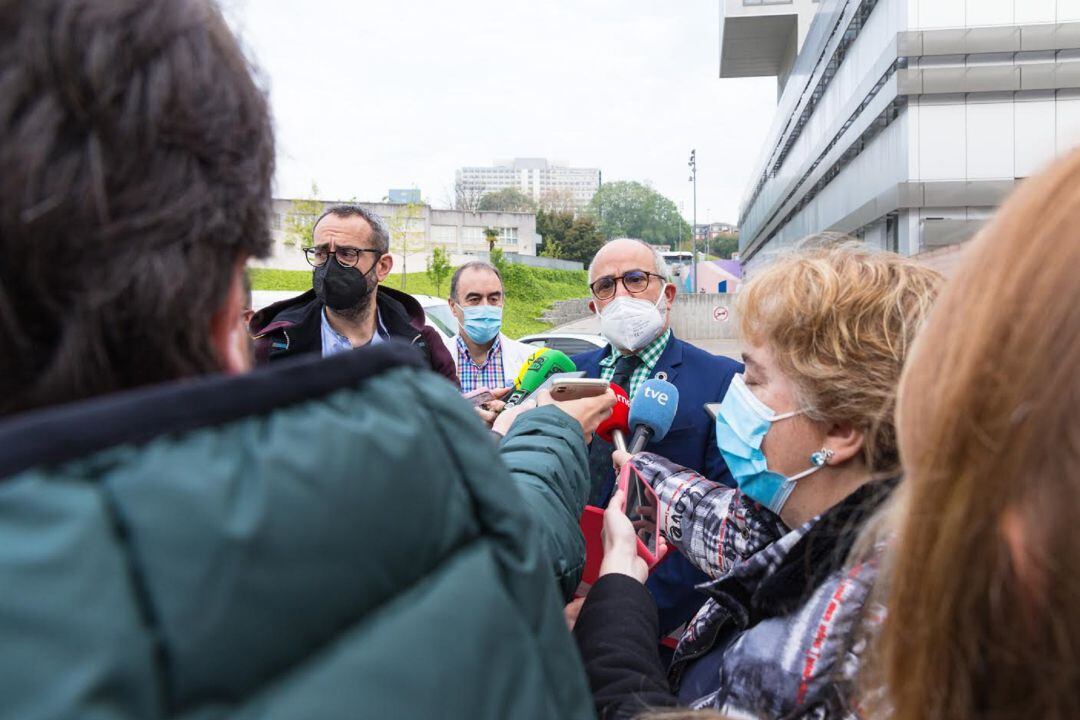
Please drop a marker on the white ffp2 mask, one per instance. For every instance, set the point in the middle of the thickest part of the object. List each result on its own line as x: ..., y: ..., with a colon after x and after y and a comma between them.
x: 630, y: 324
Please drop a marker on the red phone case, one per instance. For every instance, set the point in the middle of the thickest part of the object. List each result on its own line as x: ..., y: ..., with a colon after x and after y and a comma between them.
x: 623, y: 482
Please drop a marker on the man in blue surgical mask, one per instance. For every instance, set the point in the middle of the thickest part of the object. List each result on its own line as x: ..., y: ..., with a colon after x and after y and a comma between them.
x: 484, y: 356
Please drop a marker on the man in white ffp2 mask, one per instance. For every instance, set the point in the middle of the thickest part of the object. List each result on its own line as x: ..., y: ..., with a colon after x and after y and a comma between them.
x: 634, y: 299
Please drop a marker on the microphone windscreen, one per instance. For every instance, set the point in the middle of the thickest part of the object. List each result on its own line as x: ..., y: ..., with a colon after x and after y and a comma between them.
x: 619, y: 418
x: 654, y: 407
x: 528, y: 364
x: 543, y: 367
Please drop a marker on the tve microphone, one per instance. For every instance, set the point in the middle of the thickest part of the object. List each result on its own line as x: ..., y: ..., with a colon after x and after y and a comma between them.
x: 543, y: 367
x: 652, y: 412
x: 616, y: 427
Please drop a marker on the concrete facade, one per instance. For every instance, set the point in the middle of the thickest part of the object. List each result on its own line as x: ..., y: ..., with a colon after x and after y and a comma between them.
x: 906, y: 122
x: 534, y: 177
x: 415, y: 229
x: 762, y: 38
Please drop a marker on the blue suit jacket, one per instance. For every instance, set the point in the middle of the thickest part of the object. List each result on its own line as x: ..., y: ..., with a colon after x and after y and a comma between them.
x: 701, y: 378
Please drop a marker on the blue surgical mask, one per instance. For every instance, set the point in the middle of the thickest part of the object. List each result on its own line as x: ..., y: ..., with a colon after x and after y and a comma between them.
x: 482, y: 322
x: 741, y: 425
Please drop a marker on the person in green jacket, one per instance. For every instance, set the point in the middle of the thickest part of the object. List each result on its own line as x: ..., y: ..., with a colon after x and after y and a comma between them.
x: 180, y: 538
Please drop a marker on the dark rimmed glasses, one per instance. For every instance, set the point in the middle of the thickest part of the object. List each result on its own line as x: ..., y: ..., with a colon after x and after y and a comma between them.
x: 635, y: 282
x: 345, y: 256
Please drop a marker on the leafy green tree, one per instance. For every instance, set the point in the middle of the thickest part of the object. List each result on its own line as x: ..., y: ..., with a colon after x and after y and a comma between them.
x: 492, y: 237
x: 630, y: 209
x: 498, y: 259
x: 724, y: 246
x: 551, y: 249
x: 507, y: 200
x: 582, y: 241
x: 438, y: 268
x: 552, y: 227
x: 300, y: 221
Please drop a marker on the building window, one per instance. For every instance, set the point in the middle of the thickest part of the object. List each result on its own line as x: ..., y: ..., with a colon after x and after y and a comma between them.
x: 508, y: 236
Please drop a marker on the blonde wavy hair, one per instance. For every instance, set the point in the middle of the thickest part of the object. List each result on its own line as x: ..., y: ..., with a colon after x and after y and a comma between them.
x: 840, y: 318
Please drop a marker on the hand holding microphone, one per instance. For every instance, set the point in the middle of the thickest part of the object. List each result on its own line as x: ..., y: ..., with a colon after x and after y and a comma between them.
x: 616, y: 427
x: 651, y: 414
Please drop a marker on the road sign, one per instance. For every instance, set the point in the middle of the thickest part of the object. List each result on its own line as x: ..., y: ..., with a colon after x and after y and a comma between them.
x: 720, y: 313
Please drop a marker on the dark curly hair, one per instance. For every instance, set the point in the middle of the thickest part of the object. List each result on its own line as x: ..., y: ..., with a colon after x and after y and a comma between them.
x: 136, y: 155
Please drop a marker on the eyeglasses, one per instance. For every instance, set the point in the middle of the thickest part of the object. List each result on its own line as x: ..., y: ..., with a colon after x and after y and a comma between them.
x: 345, y: 256
x: 635, y: 282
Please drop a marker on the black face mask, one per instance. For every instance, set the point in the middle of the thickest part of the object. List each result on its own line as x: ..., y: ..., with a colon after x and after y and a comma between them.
x: 344, y: 290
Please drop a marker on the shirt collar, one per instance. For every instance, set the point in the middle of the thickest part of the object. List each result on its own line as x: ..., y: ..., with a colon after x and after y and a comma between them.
x: 463, y: 349
x: 650, y: 354
x: 380, y: 334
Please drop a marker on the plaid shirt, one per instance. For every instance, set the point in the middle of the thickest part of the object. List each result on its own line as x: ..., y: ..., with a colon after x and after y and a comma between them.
x: 738, y: 655
x: 649, y: 355
x: 473, y: 376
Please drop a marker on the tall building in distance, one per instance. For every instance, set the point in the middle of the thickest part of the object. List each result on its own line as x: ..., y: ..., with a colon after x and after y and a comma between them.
x: 901, y: 122
x: 535, y: 177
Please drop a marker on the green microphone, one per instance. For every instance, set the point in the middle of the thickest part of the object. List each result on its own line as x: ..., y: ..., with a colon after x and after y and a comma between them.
x: 538, y: 371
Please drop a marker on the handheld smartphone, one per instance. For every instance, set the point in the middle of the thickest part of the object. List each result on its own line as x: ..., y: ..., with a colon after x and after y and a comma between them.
x: 643, y: 509
x: 479, y: 397
x: 547, y: 384
x: 578, y: 388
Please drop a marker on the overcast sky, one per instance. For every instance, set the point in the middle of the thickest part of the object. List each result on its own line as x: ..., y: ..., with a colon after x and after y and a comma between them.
x: 372, y: 94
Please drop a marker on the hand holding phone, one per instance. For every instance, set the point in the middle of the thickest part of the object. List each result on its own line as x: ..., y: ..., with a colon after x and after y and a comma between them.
x: 642, y: 508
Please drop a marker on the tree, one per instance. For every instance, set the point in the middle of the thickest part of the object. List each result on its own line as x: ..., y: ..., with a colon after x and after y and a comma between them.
x: 558, y: 200
x: 497, y: 259
x: 467, y: 196
x: 438, y: 268
x: 551, y: 249
x: 724, y: 246
x: 552, y: 228
x: 574, y: 238
x: 300, y: 221
x: 405, y: 236
x: 507, y: 200
x: 582, y: 241
x: 492, y: 236
x: 630, y: 209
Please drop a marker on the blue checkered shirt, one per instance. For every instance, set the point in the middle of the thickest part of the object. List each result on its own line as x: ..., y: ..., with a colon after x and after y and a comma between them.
x: 473, y: 376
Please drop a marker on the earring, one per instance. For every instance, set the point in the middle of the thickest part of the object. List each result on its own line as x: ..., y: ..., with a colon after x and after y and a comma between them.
x: 822, y: 457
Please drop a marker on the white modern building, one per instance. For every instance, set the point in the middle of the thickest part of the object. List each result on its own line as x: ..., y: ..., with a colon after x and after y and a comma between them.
x: 902, y: 122
x: 534, y: 177
x: 415, y: 229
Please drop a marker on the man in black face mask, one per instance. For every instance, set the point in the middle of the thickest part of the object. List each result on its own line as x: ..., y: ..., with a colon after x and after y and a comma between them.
x: 346, y: 307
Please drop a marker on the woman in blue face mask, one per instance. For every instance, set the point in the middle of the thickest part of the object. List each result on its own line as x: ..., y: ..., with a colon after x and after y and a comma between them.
x: 808, y: 435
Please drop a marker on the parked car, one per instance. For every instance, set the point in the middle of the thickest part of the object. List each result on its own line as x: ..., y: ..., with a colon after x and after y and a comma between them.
x: 569, y: 343
x: 438, y: 314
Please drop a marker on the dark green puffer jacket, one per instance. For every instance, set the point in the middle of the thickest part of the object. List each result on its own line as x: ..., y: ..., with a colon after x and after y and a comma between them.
x: 321, y: 539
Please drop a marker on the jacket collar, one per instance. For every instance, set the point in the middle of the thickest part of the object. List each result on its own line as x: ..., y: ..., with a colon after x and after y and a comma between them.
x: 779, y: 578
x: 63, y: 433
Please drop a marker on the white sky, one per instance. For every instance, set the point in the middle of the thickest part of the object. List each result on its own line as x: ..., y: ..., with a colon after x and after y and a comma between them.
x: 372, y: 94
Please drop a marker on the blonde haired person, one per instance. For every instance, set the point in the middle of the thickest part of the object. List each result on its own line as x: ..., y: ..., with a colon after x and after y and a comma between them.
x: 806, y: 432
x: 983, y: 591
